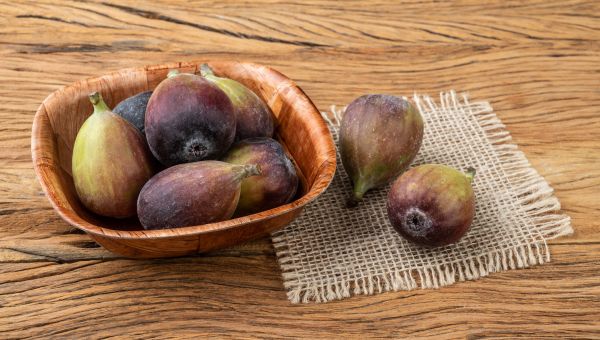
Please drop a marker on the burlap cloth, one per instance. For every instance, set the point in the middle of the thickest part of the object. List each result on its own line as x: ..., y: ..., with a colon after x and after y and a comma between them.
x: 331, y: 252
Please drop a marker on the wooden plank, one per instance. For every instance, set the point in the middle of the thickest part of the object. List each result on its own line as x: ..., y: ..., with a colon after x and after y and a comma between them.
x: 209, y: 296
x: 536, y: 62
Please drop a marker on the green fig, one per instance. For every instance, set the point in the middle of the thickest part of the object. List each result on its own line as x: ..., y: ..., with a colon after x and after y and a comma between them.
x: 110, y: 163
x: 432, y: 204
x: 192, y: 194
x: 188, y: 119
x: 254, y: 117
x: 278, y: 181
x: 380, y: 136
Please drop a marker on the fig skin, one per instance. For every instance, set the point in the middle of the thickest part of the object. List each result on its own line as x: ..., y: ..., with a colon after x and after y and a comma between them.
x: 133, y: 109
x: 254, y: 117
x: 276, y: 185
x: 110, y: 162
x: 380, y: 136
x: 432, y: 205
x: 188, y: 119
x: 192, y: 194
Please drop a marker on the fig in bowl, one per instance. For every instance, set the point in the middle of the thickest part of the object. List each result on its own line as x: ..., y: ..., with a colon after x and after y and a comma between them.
x: 278, y: 181
x: 188, y: 119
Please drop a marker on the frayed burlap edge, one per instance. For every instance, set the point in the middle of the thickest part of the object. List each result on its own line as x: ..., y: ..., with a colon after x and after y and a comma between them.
x: 532, y: 192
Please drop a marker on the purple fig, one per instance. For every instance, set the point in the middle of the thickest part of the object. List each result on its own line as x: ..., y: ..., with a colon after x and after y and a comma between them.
x: 192, y: 194
x: 110, y: 163
x: 188, y: 119
x: 254, y: 117
x: 276, y: 185
x: 380, y: 136
x: 133, y: 109
x: 432, y: 204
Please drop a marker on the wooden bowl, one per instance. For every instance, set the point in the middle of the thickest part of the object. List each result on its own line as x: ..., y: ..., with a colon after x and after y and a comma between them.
x: 301, y: 129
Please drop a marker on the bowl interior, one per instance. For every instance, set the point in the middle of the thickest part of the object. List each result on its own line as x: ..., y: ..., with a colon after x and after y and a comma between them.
x: 300, y: 129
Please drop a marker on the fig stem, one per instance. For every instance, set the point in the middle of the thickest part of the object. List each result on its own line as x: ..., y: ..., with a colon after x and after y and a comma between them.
x: 353, y: 200
x: 172, y: 73
x: 98, y: 102
x: 205, y: 70
x: 470, y: 173
x: 250, y: 170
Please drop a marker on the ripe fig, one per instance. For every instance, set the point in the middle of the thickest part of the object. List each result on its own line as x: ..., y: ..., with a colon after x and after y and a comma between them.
x: 110, y: 163
x: 432, y: 204
x: 192, y: 194
x: 254, y: 117
x: 188, y: 119
x: 133, y: 109
x: 276, y: 185
x: 380, y: 135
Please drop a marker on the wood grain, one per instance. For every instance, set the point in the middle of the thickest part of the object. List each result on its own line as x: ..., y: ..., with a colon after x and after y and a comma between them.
x: 538, y: 63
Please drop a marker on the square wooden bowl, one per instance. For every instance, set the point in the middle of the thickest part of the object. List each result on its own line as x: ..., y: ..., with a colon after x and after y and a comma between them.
x: 301, y: 130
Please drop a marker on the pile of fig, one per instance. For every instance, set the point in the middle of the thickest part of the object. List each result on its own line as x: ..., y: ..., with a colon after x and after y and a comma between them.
x: 195, y: 150
x: 199, y: 149
x: 380, y: 135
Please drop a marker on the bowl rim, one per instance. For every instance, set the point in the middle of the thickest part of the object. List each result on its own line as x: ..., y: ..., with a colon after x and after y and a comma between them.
x: 323, y: 177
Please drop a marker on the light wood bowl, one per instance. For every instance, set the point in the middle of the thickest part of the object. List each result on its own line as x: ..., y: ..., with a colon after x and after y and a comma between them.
x: 301, y: 130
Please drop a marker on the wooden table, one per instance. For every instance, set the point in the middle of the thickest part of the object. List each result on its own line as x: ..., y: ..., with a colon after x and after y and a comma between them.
x: 537, y: 63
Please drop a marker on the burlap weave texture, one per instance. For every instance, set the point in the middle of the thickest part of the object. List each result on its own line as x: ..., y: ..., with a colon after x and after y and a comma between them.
x: 332, y: 252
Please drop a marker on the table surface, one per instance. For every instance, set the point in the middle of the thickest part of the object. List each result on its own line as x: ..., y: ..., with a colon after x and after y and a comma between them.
x: 537, y: 63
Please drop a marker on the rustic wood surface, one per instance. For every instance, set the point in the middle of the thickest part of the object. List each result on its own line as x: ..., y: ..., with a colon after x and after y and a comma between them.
x: 537, y: 62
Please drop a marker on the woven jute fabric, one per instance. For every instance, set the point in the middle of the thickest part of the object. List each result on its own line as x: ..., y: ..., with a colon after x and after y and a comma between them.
x: 331, y: 252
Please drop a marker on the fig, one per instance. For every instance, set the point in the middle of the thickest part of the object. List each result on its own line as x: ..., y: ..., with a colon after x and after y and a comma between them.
x: 133, y: 109
x: 110, y: 163
x: 254, y: 117
x: 188, y: 119
x: 380, y: 136
x: 192, y: 194
x: 276, y: 185
x: 432, y: 204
